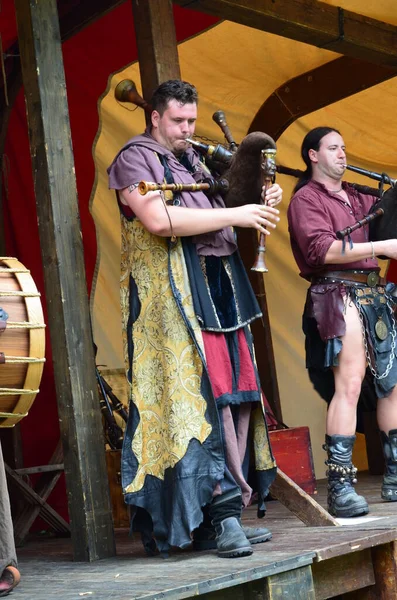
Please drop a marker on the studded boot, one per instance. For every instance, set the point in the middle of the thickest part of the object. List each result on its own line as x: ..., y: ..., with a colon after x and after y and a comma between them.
x: 343, y: 501
x: 389, y: 485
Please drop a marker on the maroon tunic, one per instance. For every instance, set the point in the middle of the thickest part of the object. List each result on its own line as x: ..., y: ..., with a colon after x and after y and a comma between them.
x: 314, y: 217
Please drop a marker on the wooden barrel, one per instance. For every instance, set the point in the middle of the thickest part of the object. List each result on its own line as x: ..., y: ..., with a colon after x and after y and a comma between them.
x: 22, y: 341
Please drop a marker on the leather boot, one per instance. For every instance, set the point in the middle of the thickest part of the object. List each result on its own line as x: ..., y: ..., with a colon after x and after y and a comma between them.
x: 389, y: 485
x: 230, y: 540
x: 225, y: 512
x: 204, y: 537
x: 343, y: 501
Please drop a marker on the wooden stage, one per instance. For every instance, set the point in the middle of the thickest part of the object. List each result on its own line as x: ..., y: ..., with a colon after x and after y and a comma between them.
x: 299, y: 563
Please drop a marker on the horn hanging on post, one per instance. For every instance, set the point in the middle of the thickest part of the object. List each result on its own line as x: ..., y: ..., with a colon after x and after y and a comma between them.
x: 126, y: 91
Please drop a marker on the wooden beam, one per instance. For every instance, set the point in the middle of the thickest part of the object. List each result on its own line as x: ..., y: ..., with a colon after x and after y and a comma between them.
x: 310, y: 512
x: 64, y: 276
x: 156, y: 43
x: 315, y: 89
x: 314, y: 23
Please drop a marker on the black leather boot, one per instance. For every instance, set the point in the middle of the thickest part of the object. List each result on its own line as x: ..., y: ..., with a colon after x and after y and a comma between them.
x: 204, y: 537
x: 343, y: 501
x: 225, y: 512
x: 389, y: 485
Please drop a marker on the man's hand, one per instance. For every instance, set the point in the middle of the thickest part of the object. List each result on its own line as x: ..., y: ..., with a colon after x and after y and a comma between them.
x: 274, y: 194
x: 256, y: 216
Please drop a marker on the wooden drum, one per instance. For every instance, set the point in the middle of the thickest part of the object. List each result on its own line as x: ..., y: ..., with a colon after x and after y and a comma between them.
x: 22, y: 341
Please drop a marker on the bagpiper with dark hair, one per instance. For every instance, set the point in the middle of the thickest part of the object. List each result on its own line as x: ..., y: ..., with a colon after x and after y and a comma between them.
x: 348, y: 319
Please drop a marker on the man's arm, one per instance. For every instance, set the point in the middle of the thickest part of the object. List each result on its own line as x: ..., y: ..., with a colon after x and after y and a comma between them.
x: 360, y: 251
x: 152, y: 213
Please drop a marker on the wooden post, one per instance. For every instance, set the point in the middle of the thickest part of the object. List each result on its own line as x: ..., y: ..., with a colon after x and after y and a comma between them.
x: 156, y: 43
x: 64, y: 275
x: 385, y: 567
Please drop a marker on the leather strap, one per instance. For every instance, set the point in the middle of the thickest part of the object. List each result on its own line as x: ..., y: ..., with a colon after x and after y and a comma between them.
x: 370, y: 278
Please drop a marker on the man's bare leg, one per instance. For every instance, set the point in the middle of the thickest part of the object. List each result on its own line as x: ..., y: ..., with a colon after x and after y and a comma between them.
x: 341, y: 421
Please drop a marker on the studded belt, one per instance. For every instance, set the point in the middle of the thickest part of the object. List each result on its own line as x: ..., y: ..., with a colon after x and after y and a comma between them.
x: 370, y: 278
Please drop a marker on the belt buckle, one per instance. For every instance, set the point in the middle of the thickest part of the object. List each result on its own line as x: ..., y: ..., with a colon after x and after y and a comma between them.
x: 373, y: 279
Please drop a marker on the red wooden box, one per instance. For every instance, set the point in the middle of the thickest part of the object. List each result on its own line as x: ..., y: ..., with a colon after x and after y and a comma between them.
x: 293, y: 452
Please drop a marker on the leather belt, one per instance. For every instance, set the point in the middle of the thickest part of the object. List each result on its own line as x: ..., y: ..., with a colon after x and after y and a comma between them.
x: 370, y: 278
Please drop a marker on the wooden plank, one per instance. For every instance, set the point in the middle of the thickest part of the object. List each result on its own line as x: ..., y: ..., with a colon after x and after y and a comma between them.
x: 359, y: 540
x: 314, y: 23
x: 156, y: 43
x: 64, y: 275
x: 299, y: 503
x: 186, y: 575
x: 343, y: 574
x: 297, y: 584
x: 189, y: 574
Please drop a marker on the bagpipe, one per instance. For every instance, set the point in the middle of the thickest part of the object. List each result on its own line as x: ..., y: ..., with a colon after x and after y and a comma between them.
x: 241, y: 173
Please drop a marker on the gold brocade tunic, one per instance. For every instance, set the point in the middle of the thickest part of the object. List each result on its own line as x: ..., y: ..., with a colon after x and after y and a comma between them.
x: 166, y: 366
x: 177, y: 446
x: 173, y: 438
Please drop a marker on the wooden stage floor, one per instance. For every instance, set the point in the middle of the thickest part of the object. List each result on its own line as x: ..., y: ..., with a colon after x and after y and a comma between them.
x: 298, y: 563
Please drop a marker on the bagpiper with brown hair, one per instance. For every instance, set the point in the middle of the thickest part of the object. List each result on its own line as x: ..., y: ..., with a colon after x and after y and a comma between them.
x: 187, y: 305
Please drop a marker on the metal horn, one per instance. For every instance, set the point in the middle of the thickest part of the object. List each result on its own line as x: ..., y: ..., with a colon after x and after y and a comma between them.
x: 126, y: 91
